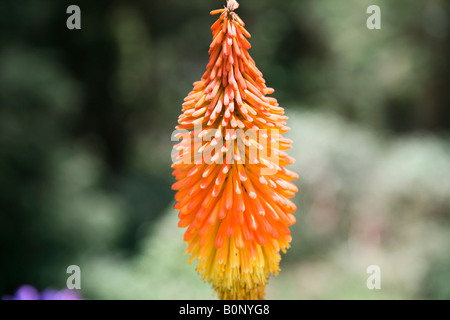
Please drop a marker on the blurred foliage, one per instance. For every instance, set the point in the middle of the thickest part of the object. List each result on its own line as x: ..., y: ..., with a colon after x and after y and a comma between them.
x: 86, y: 118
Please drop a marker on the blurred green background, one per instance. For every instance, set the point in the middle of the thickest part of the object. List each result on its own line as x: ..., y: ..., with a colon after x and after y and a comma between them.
x: 86, y: 118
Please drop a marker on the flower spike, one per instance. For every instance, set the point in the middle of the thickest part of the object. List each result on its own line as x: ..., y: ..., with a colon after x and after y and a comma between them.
x: 233, y: 190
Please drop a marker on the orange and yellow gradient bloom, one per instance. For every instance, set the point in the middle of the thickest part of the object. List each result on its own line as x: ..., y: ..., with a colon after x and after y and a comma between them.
x: 232, y: 186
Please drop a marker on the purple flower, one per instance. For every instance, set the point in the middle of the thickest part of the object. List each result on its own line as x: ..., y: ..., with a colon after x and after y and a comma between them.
x: 27, y: 292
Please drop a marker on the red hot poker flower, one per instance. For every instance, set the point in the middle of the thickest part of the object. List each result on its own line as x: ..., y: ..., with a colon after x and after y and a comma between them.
x: 233, y: 187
